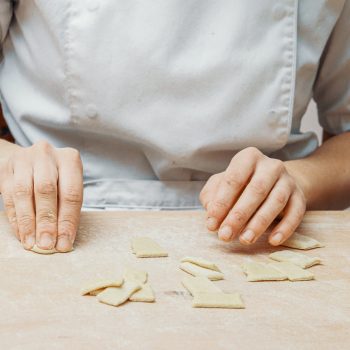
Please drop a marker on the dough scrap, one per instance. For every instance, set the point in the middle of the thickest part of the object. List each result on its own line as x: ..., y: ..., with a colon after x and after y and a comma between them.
x: 218, y: 300
x: 38, y: 250
x: 199, y: 284
x: 96, y: 292
x: 299, y: 259
x: 201, y: 262
x: 294, y: 272
x: 144, y: 247
x: 145, y: 294
x: 299, y: 241
x: 116, y: 296
x: 99, y: 285
x: 258, y: 271
x: 138, y: 275
x: 196, y: 270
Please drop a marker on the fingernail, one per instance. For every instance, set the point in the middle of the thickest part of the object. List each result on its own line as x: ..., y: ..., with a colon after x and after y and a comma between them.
x: 276, y: 238
x: 225, y: 233
x: 212, y: 224
x: 64, y: 244
x: 29, y: 242
x: 46, y: 241
x: 247, y: 236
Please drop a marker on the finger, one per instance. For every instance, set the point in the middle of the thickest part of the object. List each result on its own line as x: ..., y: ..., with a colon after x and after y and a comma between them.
x: 209, y: 190
x: 70, y: 194
x: 270, y: 209
x: 231, y: 185
x: 292, y: 218
x: 255, y: 193
x: 23, y: 199
x: 9, y: 206
x: 45, y: 191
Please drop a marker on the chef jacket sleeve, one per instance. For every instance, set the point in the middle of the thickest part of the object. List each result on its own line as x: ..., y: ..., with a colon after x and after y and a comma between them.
x: 332, y: 85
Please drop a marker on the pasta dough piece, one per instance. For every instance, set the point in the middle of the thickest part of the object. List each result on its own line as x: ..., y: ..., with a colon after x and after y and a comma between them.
x: 145, y: 294
x: 218, y: 300
x: 96, y: 292
x: 299, y: 259
x: 299, y: 241
x: 116, y: 296
x: 196, y: 270
x: 138, y: 275
x: 199, y: 284
x: 98, y: 286
x: 294, y: 272
x: 38, y: 250
x: 201, y: 262
x: 144, y: 247
x: 257, y: 271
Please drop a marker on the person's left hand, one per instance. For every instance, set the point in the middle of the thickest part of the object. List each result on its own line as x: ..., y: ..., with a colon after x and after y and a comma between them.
x: 245, y: 199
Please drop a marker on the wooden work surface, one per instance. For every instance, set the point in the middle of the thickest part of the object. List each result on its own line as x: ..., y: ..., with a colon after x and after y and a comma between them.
x: 40, y: 305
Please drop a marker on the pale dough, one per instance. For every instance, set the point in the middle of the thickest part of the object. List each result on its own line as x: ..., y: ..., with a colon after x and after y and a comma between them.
x: 145, y: 294
x: 294, y: 272
x: 299, y: 241
x: 218, y: 300
x: 38, y: 250
x: 299, y: 259
x: 201, y: 262
x: 144, y: 247
x: 118, y: 295
x: 258, y: 271
x: 98, y: 286
x: 199, y: 285
x: 138, y: 275
x: 196, y: 270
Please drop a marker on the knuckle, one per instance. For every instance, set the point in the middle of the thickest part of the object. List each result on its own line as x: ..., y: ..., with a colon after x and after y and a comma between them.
x: 262, y: 220
x: 72, y: 196
x: 277, y: 165
x: 237, y: 216
x: 73, y: 154
x: 21, y: 189
x: 67, y: 225
x: 25, y: 224
x: 233, y: 181
x: 46, y: 187
x: 259, y: 187
x: 220, y: 205
x: 8, y: 201
x: 202, y: 195
x: 46, y: 216
x: 282, y: 197
x: 43, y: 146
x: 253, y: 152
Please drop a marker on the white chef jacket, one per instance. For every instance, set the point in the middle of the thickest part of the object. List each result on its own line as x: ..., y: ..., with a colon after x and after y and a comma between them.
x: 159, y: 95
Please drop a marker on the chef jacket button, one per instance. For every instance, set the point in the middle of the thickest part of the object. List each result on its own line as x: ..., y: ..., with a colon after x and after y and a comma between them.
x: 278, y: 12
x: 92, y: 5
x: 91, y: 111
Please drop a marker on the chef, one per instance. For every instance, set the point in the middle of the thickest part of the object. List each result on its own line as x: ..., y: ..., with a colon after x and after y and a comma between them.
x: 173, y: 104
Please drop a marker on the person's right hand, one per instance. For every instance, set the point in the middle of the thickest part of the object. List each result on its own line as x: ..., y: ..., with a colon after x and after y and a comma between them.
x: 42, y: 190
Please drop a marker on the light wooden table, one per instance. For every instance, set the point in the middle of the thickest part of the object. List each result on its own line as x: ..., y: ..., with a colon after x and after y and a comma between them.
x: 40, y: 305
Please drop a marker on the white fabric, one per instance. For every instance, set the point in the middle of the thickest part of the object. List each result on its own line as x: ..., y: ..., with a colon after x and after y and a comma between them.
x: 158, y: 95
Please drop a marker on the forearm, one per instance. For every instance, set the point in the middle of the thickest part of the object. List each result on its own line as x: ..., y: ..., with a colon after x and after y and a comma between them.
x: 324, y: 176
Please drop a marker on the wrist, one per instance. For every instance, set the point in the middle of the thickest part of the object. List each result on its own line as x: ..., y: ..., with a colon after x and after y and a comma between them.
x: 302, y: 172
